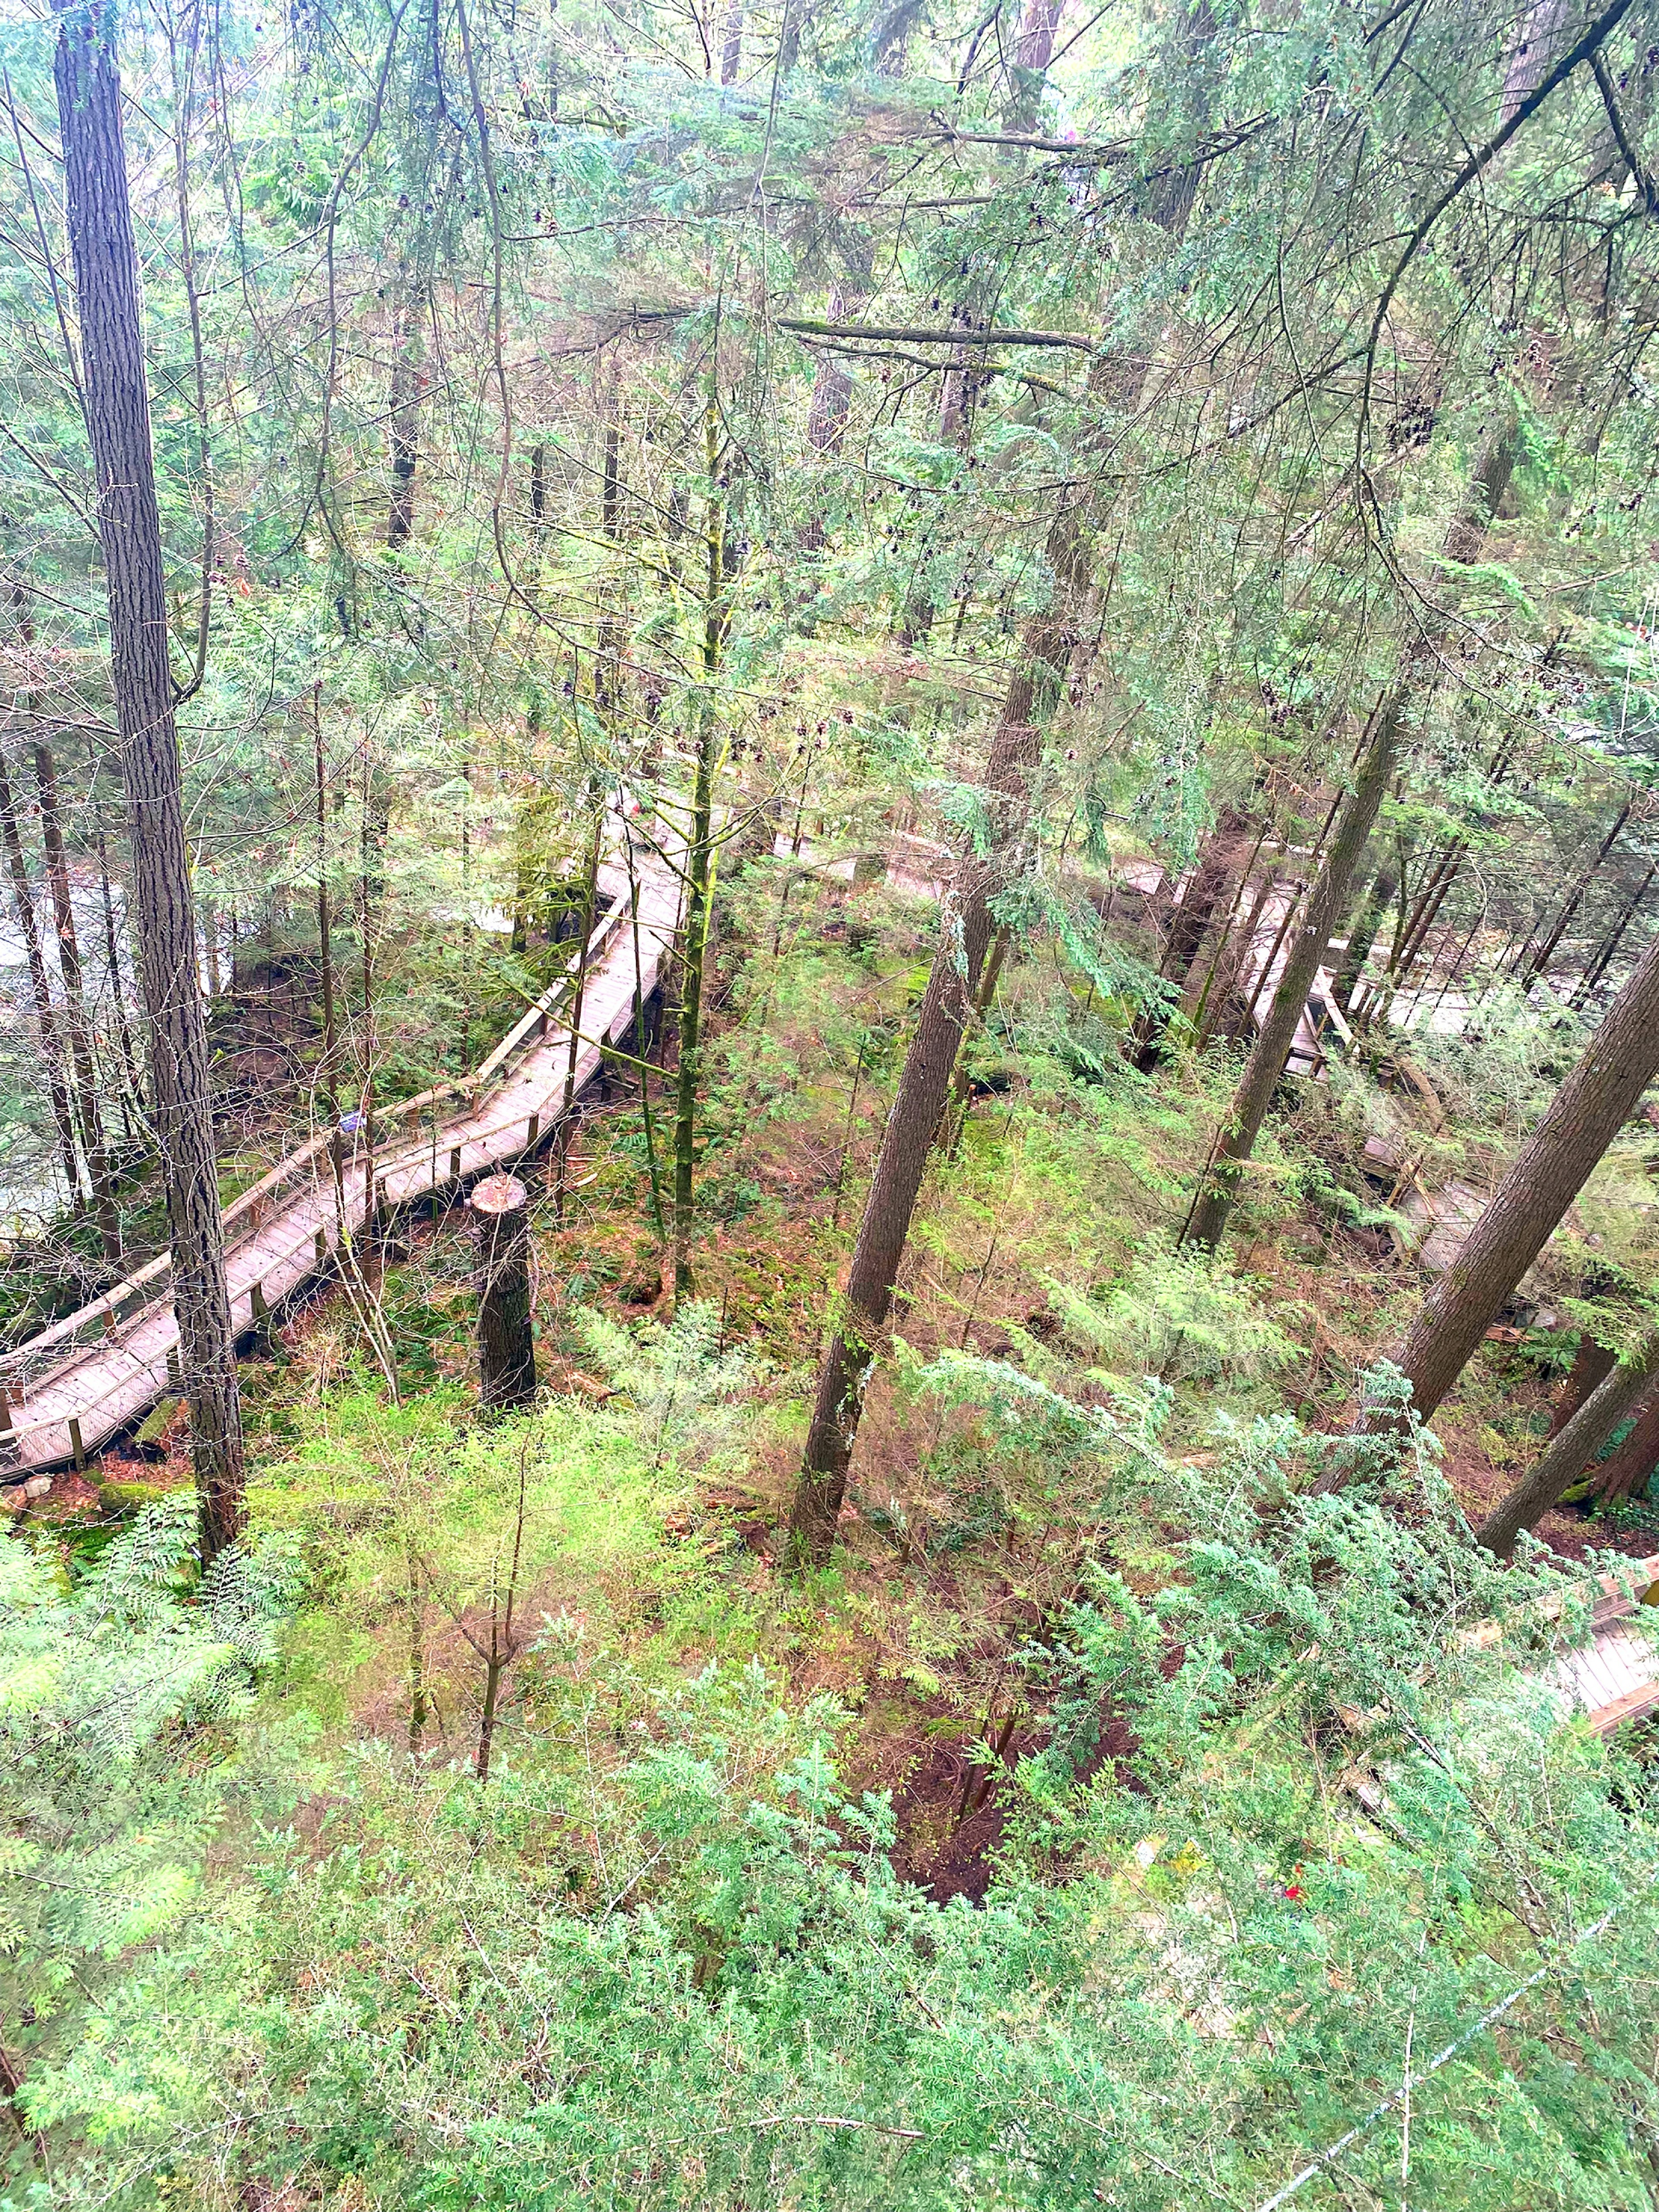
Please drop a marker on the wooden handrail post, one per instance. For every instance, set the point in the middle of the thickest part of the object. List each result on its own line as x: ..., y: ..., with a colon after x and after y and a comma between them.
x: 77, y: 1446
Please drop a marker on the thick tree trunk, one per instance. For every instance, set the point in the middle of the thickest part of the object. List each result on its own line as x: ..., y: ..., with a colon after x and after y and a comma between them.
x: 506, y: 1349
x: 925, y: 1082
x: 44, y: 1014
x: 90, y: 1118
x: 731, y: 43
x: 1590, y: 1369
x: 1561, y: 1463
x: 100, y: 225
x: 1626, y: 1473
x: 1557, y: 1159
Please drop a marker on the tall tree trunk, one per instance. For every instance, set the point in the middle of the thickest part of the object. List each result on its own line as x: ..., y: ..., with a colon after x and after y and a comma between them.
x: 699, y: 865
x: 44, y: 1015
x: 90, y: 1118
x: 100, y: 225
x: 1559, y: 1465
x: 1218, y: 1188
x: 1615, y: 936
x: 1628, y: 1470
x: 731, y: 43
x: 1532, y: 963
x: 1591, y: 1367
x: 1235, y: 1141
x: 134, y: 1089
x: 1557, y: 1159
x: 404, y: 416
x: 925, y: 1082
x: 328, y: 1070
x: 1189, y: 925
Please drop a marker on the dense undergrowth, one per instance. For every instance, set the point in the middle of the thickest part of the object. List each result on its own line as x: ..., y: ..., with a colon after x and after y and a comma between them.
x: 1117, y: 1821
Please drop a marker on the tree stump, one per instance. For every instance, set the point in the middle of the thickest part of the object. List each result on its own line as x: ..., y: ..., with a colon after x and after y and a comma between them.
x: 506, y: 1352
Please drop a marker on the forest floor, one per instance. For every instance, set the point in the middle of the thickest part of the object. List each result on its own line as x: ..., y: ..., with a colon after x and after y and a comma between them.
x: 1057, y: 1196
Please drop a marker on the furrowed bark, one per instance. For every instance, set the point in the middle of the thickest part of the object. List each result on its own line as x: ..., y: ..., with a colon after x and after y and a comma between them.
x: 100, y: 224
x: 1628, y: 1470
x: 1557, y: 1159
x: 1559, y: 1465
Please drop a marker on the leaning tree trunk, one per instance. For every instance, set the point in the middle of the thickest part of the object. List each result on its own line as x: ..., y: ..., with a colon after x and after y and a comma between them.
x: 1189, y: 925
x: 1213, y: 1201
x: 1235, y: 1141
x: 1627, y: 1471
x: 1562, y: 1461
x: 925, y: 1083
x: 100, y: 223
x: 1557, y: 1159
x: 1591, y: 1370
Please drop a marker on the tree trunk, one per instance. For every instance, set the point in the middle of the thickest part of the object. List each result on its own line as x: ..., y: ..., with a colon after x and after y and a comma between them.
x: 731, y: 43
x: 40, y: 983
x: 1557, y: 1159
x: 100, y: 225
x: 134, y: 1086
x: 1590, y: 1369
x: 506, y: 1349
x: 925, y: 1083
x: 1625, y: 1474
x: 1561, y: 1464
x: 699, y: 869
x: 80, y: 1033
x: 1363, y: 936
x: 1189, y: 927
x: 414, y: 1603
x: 1218, y: 1188
x: 579, y: 993
x: 403, y: 417
x: 1532, y: 963
x: 1603, y: 960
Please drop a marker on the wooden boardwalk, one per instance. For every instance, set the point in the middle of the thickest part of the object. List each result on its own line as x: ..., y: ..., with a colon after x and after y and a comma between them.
x: 1615, y: 1676
x: 88, y: 1377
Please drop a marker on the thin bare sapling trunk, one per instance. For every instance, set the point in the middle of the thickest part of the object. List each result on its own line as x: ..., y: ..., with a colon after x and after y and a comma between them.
x: 89, y: 1114
x: 40, y: 983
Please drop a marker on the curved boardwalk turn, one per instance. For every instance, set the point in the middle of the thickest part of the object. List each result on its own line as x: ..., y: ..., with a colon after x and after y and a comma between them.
x: 90, y: 1375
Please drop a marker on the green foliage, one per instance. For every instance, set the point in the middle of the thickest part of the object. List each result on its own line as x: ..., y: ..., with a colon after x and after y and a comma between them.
x: 1178, y: 1315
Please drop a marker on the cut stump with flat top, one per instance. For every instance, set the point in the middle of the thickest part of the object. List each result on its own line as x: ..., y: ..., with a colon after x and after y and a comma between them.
x: 507, y: 1352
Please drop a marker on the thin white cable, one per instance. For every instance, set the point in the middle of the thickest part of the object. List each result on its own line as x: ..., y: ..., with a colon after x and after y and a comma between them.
x: 1479, y: 2027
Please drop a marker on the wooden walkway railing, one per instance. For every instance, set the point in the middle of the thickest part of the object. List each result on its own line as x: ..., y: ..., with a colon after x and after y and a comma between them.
x: 85, y: 1378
